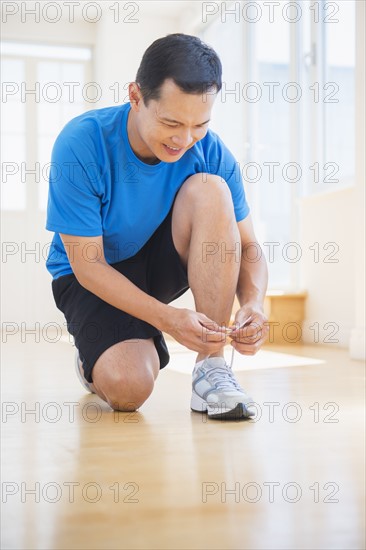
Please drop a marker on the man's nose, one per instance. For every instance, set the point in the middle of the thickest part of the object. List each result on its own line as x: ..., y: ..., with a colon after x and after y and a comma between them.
x: 183, y: 139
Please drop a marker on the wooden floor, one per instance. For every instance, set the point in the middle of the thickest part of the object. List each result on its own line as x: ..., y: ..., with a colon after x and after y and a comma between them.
x: 75, y: 475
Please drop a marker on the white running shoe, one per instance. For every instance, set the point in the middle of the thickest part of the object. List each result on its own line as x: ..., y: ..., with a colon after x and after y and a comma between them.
x: 216, y: 391
x: 80, y: 373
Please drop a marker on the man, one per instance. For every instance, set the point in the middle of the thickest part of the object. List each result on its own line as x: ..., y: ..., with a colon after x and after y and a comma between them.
x: 146, y: 202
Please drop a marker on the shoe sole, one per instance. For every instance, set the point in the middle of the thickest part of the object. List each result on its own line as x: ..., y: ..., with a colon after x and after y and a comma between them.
x: 240, y: 411
x: 82, y: 380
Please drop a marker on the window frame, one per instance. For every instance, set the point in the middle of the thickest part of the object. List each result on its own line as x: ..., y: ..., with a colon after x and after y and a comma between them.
x: 33, y: 189
x: 305, y: 154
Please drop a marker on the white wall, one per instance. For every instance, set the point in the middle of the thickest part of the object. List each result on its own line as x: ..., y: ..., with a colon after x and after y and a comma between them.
x: 329, y: 218
x: 357, y: 343
x: 337, y: 290
x: 119, y: 48
x: 63, y: 32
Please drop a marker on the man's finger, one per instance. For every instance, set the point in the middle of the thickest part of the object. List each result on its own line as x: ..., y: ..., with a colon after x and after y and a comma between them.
x: 248, y: 349
x: 249, y: 337
x: 249, y: 328
x: 209, y: 335
x: 213, y: 327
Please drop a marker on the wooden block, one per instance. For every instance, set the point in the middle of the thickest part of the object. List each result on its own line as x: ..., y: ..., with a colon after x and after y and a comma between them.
x: 286, y: 313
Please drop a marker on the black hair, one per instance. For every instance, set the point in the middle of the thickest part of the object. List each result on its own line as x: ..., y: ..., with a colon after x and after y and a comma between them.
x: 193, y: 66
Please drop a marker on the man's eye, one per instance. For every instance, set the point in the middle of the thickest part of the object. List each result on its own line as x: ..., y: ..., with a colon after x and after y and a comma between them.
x: 176, y: 125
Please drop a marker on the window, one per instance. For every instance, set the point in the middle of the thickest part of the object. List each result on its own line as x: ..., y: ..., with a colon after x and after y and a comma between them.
x: 53, y: 113
x: 328, y: 118
x: 13, y: 136
x: 292, y: 128
x: 339, y: 110
x: 42, y: 90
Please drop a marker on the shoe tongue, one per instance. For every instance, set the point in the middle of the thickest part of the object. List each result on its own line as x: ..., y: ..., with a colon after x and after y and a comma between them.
x: 214, y: 362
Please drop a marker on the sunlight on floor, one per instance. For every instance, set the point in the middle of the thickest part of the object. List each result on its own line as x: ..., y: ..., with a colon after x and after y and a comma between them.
x: 182, y: 360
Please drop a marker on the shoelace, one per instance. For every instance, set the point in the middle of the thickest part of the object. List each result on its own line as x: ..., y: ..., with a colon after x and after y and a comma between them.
x: 245, y: 323
x: 223, y: 378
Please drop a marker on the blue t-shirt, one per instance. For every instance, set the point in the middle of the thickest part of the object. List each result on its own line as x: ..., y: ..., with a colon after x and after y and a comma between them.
x: 98, y: 186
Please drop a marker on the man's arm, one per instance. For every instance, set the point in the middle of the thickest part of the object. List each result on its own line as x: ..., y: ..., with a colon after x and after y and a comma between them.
x: 251, y: 291
x: 253, y: 275
x: 100, y: 278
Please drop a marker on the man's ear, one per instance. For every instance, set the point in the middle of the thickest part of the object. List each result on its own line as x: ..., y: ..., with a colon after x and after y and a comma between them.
x: 135, y: 96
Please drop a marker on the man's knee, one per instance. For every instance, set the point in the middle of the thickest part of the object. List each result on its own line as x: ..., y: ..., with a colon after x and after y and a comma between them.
x: 129, y: 393
x: 124, y: 375
x: 207, y: 189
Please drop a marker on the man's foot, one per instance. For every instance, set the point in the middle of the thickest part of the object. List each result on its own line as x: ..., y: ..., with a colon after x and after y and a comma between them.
x: 80, y: 373
x: 216, y: 391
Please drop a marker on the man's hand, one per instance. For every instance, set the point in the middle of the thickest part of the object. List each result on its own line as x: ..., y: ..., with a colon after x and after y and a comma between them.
x: 250, y: 329
x: 195, y: 331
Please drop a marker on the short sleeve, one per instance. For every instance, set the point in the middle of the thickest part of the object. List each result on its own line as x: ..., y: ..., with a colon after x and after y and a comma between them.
x: 235, y: 182
x: 229, y: 169
x: 74, y: 196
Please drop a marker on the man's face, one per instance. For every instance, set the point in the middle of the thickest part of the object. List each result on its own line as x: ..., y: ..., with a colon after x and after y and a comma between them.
x: 166, y: 128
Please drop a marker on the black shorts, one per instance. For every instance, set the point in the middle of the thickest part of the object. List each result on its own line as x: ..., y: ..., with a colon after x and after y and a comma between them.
x: 96, y: 325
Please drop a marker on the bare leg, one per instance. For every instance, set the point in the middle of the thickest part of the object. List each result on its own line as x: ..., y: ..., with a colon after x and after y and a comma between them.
x: 206, y: 236
x: 124, y: 374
